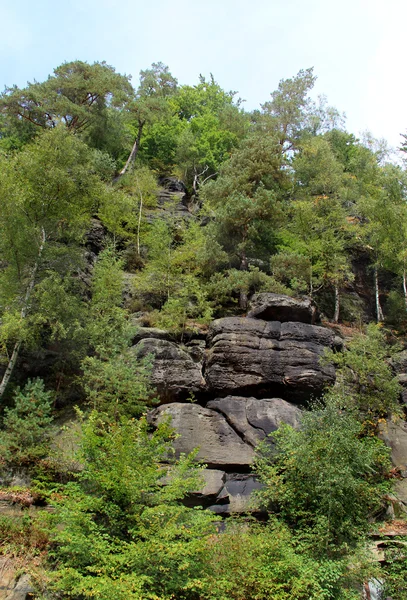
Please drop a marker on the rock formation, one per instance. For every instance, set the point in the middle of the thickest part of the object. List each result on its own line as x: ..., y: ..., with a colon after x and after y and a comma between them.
x: 247, y: 380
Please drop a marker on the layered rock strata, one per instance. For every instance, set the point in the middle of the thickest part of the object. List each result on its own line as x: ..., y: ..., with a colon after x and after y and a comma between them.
x: 246, y: 380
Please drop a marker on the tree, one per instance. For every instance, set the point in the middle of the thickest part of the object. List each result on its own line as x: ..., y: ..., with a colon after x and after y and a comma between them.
x: 323, y: 479
x: 365, y: 377
x: 114, y: 380
x: 319, y: 220
x: 123, y: 531
x: 244, y: 202
x: 171, y: 279
x: 77, y: 95
x: 214, y: 124
x: 157, y: 85
x: 286, y: 111
x: 49, y: 191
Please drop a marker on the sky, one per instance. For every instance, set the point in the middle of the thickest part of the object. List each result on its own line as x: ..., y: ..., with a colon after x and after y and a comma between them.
x: 356, y: 47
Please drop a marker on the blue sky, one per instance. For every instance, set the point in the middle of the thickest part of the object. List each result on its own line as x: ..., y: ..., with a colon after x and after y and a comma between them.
x: 355, y: 46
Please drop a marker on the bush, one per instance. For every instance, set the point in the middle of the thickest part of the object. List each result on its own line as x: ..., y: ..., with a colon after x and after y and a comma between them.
x: 25, y: 437
x: 121, y: 529
x: 323, y: 479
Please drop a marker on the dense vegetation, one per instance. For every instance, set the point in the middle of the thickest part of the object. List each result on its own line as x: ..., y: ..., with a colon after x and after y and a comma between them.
x: 281, y: 199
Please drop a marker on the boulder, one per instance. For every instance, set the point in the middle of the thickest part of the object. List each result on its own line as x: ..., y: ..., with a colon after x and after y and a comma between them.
x: 175, y: 374
x: 254, y: 419
x: 219, y: 444
x: 236, y: 494
x: 277, y: 307
x: 399, y: 362
x: 143, y: 333
x: 254, y: 357
x: 228, y: 429
x: 394, y: 436
x: 226, y: 493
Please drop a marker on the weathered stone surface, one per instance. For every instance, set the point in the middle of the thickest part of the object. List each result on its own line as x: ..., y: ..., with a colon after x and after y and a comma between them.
x: 219, y: 444
x: 394, y: 436
x: 250, y: 356
x: 144, y: 333
x: 254, y: 419
x: 277, y: 307
x: 175, y: 374
x: 236, y: 494
x: 214, y: 482
x: 399, y: 362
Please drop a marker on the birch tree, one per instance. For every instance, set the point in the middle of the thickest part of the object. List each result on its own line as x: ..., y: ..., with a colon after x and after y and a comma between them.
x: 48, y: 192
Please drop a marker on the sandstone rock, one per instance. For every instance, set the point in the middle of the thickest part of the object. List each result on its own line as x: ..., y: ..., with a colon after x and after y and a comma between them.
x: 219, y: 444
x: 236, y: 495
x: 277, y: 307
x: 254, y: 419
x: 399, y: 362
x: 175, y: 374
x: 250, y: 356
x: 143, y: 333
x: 214, y: 482
x: 22, y: 589
x: 394, y: 436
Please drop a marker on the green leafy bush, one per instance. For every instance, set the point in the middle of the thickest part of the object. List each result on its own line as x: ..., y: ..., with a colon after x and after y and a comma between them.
x: 121, y: 529
x: 324, y: 480
x: 25, y: 437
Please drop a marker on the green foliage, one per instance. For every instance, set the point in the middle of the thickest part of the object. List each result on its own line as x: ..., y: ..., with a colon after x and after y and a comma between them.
x: 262, y: 561
x: 22, y: 536
x: 122, y: 531
x: 395, y: 569
x: 324, y: 480
x: 26, y: 434
x: 225, y: 288
x: 365, y: 378
x: 77, y: 94
x: 291, y: 269
x: 114, y: 380
x: 170, y: 281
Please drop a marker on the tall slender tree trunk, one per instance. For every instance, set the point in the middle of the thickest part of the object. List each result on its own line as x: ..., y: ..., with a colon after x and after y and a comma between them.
x: 337, y: 303
x: 244, y: 266
x: 139, y: 221
x: 379, y: 312
x: 405, y: 285
x: 17, y: 346
x: 134, y: 150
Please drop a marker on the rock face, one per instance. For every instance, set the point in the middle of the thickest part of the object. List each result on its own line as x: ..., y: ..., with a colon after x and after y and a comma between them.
x: 175, y: 374
x: 244, y: 379
x: 228, y: 429
x: 219, y: 444
x: 399, y: 364
x: 252, y: 356
x: 254, y: 419
x: 394, y: 436
x: 276, y: 307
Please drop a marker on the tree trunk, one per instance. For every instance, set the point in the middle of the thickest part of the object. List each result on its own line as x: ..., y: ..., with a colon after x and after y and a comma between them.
x: 244, y: 266
x: 379, y: 312
x: 139, y: 222
x: 337, y: 303
x: 17, y: 346
x: 134, y: 151
x: 405, y: 286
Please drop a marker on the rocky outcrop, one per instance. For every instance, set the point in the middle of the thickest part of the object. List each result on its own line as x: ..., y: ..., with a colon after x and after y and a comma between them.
x: 175, y: 374
x: 254, y: 419
x: 227, y: 430
x: 253, y: 356
x: 236, y: 377
x: 394, y: 436
x: 219, y: 444
x: 277, y: 307
x: 399, y: 364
